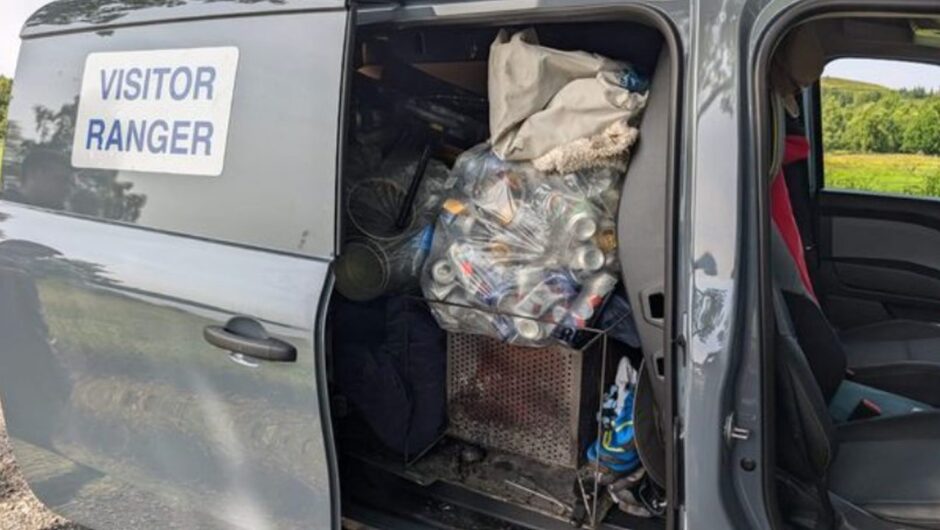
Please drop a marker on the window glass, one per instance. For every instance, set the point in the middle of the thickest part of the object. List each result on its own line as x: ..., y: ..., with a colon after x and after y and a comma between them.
x: 881, y: 126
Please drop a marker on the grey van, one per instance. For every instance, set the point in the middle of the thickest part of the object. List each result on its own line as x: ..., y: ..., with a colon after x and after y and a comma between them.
x: 127, y: 286
x: 168, y: 319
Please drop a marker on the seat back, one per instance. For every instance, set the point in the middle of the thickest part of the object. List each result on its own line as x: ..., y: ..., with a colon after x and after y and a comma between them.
x: 806, y: 442
x: 816, y: 338
x: 798, y: 63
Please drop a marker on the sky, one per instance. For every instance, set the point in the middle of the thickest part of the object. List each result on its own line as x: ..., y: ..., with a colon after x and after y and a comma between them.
x: 892, y: 74
x: 13, y: 13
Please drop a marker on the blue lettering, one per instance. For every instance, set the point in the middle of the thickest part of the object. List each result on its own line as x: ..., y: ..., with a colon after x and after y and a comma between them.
x: 180, y: 136
x: 137, y: 83
x: 135, y: 135
x: 107, y: 84
x: 202, y: 135
x: 156, y: 143
x: 205, y: 78
x: 179, y: 92
x: 160, y: 73
x: 95, y: 132
x: 114, y: 138
x: 132, y: 91
x: 146, y: 94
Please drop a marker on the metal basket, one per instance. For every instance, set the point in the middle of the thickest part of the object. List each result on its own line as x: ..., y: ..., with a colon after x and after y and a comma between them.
x: 536, y: 402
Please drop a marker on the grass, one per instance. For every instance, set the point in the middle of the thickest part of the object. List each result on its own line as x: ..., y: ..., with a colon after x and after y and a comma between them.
x: 837, y: 83
x: 903, y: 174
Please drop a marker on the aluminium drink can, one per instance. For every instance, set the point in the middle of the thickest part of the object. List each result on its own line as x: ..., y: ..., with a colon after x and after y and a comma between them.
x: 588, y: 258
x: 530, y: 329
x: 443, y: 271
x: 581, y: 223
x: 592, y: 294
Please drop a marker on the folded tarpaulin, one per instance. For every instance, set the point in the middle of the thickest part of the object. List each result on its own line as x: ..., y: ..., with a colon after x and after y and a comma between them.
x: 544, y: 100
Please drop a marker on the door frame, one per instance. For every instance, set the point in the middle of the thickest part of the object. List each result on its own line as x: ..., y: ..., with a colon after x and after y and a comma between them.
x: 769, y: 27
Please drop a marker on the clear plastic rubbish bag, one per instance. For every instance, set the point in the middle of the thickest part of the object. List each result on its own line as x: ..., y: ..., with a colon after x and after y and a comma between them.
x: 520, y: 255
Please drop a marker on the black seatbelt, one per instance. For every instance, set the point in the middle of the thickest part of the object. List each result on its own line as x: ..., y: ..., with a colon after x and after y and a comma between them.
x: 796, y: 175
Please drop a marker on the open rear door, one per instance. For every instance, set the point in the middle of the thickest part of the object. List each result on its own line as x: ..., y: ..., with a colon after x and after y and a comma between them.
x: 132, y: 265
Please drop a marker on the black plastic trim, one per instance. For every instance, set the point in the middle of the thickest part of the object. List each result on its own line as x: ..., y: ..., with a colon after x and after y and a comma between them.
x: 266, y: 349
x: 892, y: 264
x: 323, y: 391
x: 920, y: 211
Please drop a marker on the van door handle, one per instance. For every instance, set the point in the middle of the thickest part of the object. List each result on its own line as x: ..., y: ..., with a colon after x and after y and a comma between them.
x: 246, y: 336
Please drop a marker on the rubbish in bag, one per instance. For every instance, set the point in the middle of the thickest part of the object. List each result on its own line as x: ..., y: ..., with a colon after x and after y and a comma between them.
x: 615, y: 450
x: 393, y: 181
x: 378, y: 256
x: 369, y: 268
x: 563, y: 110
x: 589, y: 299
x: 527, y: 257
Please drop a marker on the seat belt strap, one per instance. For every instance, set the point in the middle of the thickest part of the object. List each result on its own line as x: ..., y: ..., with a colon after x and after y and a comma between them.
x: 865, y: 409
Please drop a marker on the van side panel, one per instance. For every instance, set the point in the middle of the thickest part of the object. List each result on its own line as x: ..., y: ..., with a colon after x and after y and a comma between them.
x: 121, y: 414
x: 276, y: 190
x: 119, y: 410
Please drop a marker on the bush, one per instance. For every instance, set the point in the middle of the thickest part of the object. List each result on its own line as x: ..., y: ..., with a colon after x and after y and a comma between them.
x: 867, y: 118
x: 6, y: 85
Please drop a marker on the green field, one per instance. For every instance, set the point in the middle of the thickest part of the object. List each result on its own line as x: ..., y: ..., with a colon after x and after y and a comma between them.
x: 905, y: 174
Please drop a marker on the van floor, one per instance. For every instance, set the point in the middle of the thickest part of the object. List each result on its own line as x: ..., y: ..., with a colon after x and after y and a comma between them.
x: 548, y: 490
x: 494, y: 475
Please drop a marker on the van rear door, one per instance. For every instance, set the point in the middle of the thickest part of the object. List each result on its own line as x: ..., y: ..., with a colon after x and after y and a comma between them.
x: 165, y: 250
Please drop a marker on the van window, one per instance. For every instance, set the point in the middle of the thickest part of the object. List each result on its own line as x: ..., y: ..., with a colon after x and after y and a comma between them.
x: 881, y: 126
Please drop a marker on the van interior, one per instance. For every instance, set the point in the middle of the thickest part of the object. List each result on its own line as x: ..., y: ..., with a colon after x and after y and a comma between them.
x: 853, y: 300
x: 441, y: 427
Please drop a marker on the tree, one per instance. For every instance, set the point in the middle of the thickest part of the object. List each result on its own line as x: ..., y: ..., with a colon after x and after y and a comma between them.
x: 866, y: 118
x: 6, y: 84
x: 921, y: 133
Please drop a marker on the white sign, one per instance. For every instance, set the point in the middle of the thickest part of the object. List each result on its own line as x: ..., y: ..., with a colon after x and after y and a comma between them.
x: 163, y: 111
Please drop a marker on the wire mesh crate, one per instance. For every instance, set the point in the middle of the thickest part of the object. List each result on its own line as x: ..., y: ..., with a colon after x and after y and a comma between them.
x: 536, y: 402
